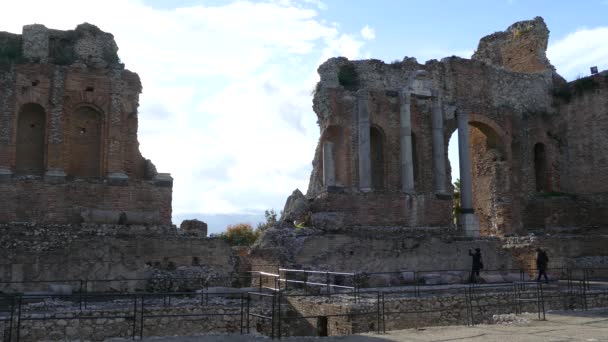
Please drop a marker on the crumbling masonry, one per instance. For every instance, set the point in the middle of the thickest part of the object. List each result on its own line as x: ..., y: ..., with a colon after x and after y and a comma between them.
x: 532, y: 147
x: 68, y: 133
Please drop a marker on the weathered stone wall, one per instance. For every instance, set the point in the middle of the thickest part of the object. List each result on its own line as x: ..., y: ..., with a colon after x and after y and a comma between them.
x: 531, y: 135
x: 87, y: 124
x: 583, y: 138
x: 332, y: 211
x: 31, y: 252
x: 86, y: 200
x: 98, y: 327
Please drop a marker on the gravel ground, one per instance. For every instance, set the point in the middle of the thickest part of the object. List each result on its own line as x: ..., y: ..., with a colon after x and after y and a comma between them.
x: 564, y: 326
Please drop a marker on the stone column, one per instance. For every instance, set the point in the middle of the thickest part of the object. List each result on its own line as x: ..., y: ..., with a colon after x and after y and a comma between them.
x: 329, y: 169
x: 438, y: 143
x: 55, y: 164
x: 468, y: 220
x: 115, y: 157
x: 407, y: 165
x: 365, y: 164
x: 6, y: 126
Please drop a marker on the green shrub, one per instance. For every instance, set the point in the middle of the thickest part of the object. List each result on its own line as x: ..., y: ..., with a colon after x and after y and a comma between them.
x: 563, y: 92
x: 348, y: 77
x: 240, y: 234
x: 583, y: 85
x: 10, y: 51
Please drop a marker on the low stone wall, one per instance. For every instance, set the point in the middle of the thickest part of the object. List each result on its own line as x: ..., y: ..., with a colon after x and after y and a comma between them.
x: 571, y: 213
x: 96, y: 253
x: 395, y: 312
x: 34, y: 200
x: 104, y: 324
x: 331, y: 211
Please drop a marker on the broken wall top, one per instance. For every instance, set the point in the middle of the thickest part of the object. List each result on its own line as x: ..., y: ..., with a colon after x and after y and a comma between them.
x: 87, y: 44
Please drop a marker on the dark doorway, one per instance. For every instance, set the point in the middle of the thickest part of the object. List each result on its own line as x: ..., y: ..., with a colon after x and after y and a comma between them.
x: 31, y: 130
x: 377, y: 155
x: 85, y: 143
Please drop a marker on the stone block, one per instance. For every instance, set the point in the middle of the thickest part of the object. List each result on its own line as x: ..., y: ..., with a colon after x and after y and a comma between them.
x: 54, y: 176
x: 328, y: 220
x: 6, y: 175
x: 118, y: 179
x: 61, y: 289
x: 163, y: 180
x: 193, y: 228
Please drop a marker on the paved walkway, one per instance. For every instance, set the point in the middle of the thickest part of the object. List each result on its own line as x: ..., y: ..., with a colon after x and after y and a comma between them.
x: 560, y: 326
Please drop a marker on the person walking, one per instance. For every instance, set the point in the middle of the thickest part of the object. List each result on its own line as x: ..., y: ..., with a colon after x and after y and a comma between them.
x: 542, y: 260
x: 476, y: 266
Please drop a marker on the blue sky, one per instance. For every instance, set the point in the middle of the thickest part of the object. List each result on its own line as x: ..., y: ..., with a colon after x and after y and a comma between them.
x: 226, y: 105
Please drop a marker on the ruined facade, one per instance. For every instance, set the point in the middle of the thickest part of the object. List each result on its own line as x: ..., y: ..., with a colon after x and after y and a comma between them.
x: 68, y: 132
x: 533, y: 150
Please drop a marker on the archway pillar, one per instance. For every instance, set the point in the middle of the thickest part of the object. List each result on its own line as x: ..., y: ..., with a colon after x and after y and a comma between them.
x: 438, y: 143
x: 468, y: 220
x: 329, y: 167
x: 55, y: 164
x: 405, y: 136
x: 365, y: 165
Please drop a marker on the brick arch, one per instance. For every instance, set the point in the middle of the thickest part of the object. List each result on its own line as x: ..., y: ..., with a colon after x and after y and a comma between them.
x: 30, y: 139
x: 497, y: 137
x: 86, y: 137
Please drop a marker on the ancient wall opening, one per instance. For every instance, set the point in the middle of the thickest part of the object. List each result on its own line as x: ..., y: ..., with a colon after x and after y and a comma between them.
x: 341, y: 154
x: 376, y: 137
x: 540, y: 168
x: 85, y: 137
x: 490, y: 179
x: 30, y: 144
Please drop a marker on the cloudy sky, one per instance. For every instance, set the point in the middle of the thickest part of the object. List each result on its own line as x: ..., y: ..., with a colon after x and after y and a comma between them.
x: 226, y: 104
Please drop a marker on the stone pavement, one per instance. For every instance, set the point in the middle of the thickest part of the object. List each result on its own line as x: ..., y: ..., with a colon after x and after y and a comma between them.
x: 591, y: 325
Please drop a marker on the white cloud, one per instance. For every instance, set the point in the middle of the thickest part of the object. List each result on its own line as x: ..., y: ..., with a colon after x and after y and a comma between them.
x: 368, y: 33
x: 226, y: 104
x: 574, y: 54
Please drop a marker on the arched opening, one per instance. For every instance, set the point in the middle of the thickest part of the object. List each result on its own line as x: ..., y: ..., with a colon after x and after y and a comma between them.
x: 31, y: 129
x: 340, y: 155
x: 376, y: 138
x: 540, y: 168
x: 84, y: 133
x: 489, y: 178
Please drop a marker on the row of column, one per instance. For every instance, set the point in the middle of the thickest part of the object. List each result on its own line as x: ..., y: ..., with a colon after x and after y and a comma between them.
x: 407, y: 164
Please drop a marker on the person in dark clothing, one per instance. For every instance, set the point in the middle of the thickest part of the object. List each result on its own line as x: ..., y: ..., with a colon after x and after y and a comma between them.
x: 542, y: 260
x: 477, y: 265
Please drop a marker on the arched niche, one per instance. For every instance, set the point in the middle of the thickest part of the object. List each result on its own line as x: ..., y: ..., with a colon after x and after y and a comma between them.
x: 377, y: 143
x: 85, y: 137
x: 337, y: 137
x: 30, y: 142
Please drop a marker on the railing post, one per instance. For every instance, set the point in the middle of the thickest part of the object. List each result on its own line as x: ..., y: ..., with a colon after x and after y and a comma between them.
x: 378, y: 311
x: 327, y: 282
x: 248, y: 307
x: 538, y: 285
x: 86, y: 292
x: 542, y: 301
x: 272, y: 318
x: 242, y: 312
x: 279, y: 314
x: 20, y: 298
x: 260, y: 282
x: 383, y: 318
x: 141, y: 318
x: 134, y: 317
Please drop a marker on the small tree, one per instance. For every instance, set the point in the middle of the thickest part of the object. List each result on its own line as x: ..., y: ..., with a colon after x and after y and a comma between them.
x: 456, y: 199
x: 271, y: 219
x: 240, y: 234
